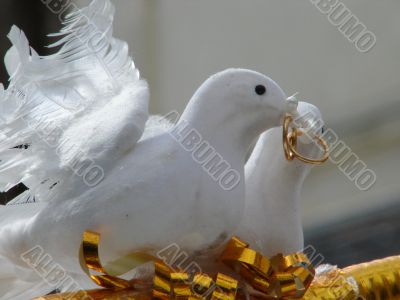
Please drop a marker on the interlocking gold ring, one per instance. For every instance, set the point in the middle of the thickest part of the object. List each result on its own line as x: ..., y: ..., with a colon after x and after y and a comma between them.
x: 290, y: 144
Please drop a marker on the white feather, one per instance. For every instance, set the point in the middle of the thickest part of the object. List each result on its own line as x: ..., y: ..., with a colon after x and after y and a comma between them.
x: 85, y: 102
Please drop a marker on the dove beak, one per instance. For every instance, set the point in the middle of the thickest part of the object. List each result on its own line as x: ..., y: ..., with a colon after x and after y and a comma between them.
x: 291, y: 105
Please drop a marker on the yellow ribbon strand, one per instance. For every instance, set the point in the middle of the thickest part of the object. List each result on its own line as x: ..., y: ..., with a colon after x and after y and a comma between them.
x: 90, y: 256
x: 90, y: 263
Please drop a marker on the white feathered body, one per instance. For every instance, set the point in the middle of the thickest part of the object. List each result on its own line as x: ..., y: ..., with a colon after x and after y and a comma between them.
x: 85, y: 108
x: 173, y: 208
x: 272, y: 218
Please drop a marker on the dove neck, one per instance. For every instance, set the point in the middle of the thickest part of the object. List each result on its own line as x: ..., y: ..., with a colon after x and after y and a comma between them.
x: 273, y: 187
x: 271, y: 171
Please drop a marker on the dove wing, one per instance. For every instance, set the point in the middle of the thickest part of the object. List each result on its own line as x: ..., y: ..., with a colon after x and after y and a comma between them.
x: 62, y: 114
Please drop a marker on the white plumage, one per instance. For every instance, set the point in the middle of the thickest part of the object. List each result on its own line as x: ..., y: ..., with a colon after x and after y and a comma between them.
x: 85, y: 108
x: 64, y: 107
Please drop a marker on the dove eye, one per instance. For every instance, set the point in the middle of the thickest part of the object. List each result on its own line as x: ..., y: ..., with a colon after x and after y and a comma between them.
x: 260, y: 89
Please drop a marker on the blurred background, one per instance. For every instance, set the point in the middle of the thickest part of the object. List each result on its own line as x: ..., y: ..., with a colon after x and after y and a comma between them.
x: 179, y: 43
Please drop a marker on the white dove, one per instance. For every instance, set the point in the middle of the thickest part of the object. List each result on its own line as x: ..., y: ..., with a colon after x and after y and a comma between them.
x: 272, y: 219
x: 71, y: 124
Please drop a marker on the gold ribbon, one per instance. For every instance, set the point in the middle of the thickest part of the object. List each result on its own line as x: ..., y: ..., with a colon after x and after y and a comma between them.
x: 91, y: 259
x: 332, y: 285
x: 169, y: 284
x: 90, y: 263
x: 281, y: 277
x: 376, y: 280
x: 379, y: 279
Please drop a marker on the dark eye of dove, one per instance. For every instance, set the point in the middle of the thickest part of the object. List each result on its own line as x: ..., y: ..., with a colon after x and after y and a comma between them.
x: 260, y: 89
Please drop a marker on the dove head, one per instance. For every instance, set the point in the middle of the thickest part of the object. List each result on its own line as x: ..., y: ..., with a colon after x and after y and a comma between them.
x: 238, y: 103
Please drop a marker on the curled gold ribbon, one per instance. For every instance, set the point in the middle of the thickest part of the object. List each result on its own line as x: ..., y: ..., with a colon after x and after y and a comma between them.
x: 108, y: 277
x: 90, y: 255
x: 281, y: 277
x: 167, y: 283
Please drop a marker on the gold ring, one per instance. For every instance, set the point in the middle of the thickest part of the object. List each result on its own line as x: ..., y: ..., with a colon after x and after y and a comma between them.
x: 290, y: 144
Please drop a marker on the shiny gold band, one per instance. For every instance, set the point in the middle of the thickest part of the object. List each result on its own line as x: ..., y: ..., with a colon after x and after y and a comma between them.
x: 290, y: 144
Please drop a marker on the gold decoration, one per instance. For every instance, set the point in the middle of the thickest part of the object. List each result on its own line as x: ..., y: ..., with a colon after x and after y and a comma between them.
x: 90, y: 255
x: 281, y: 277
x: 376, y: 280
x: 332, y: 285
x: 90, y: 261
x: 379, y: 279
x: 169, y: 284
